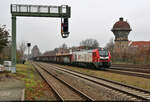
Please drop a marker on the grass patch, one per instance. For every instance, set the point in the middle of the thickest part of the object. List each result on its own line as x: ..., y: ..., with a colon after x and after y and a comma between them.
x: 34, y: 85
x: 125, y: 79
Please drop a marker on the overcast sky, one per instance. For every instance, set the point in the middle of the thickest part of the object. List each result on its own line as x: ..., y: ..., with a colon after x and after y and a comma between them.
x: 89, y: 19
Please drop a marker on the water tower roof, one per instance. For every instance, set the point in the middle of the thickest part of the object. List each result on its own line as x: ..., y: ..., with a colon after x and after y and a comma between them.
x: 121, y: 25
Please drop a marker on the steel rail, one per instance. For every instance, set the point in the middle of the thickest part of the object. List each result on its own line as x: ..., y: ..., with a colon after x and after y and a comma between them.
x: 132, y: 69
x: 55, y: 91
x: 131, y: 65
x: 113, y: 82
x: 68, y: 85
x: 131, y: 73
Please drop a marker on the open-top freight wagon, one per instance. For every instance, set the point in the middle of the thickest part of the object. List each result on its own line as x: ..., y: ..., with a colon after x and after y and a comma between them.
x: 98, y: 58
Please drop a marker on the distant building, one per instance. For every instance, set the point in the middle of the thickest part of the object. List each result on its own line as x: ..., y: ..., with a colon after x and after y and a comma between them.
x: 121, y: 30
x: 122, y: 45
x: 35, y: 51
x: 139, y: 44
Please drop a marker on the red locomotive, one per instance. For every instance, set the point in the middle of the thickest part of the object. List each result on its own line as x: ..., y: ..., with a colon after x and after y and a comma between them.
x: 99, y: 58
x: 96, y: 57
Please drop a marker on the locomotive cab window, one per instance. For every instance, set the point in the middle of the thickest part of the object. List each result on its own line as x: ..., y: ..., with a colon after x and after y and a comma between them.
x: 103, y: 53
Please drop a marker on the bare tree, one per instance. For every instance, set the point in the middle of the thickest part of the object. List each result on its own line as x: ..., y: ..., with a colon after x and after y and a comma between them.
x: 89, y: 43
x: 22, y: 48
x: 63, y: 46
x: 63, y: 49
x: 110, y: 45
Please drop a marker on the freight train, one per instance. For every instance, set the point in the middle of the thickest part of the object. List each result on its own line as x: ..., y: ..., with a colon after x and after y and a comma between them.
x: 97, y: 58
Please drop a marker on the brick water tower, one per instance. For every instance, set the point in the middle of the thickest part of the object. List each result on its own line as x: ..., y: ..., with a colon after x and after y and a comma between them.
x: 121, y: 30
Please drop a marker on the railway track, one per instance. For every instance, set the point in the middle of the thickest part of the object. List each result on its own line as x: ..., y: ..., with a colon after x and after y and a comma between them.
x: 133, y: 92
x: 131, y: 66
x: 63, y: 90
x: 142, y: 70
x: 129, y: 72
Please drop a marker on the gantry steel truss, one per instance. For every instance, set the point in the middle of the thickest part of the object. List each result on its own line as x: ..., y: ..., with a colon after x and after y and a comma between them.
x: 63, y: 11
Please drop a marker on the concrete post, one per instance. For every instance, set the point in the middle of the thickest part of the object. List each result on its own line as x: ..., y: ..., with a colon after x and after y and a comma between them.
x: 13, y: 49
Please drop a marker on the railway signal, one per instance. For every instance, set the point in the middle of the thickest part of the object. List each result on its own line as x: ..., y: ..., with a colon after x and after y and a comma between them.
x: 28, y: 45
x: 64, y: 27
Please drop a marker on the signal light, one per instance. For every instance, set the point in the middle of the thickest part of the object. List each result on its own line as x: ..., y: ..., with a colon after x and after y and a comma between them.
x: 28, y: 44
x: 64, y: 27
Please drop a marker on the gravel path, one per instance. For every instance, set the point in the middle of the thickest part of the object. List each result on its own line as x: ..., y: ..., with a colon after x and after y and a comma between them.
x: 11, y: 89
x: 93, y: 90
x: 62, y: 89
